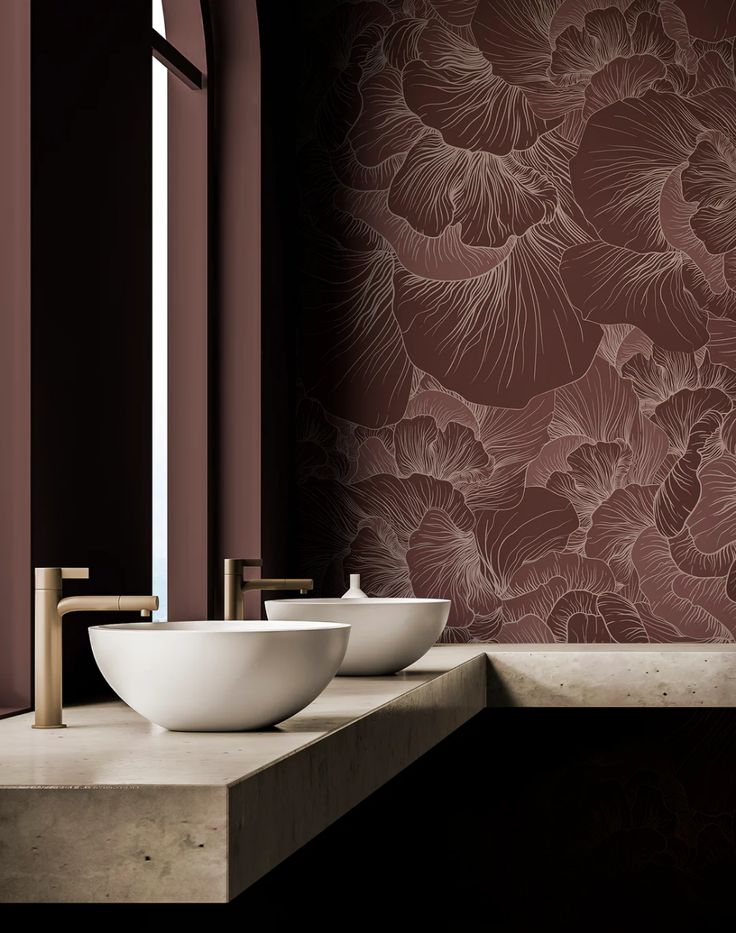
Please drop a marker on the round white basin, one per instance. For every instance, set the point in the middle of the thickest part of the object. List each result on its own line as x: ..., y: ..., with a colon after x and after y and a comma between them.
x: 386, y: 634
x: 219, y: 676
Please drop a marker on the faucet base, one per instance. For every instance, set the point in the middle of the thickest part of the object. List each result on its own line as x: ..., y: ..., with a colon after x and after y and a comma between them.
x: 59, y: 725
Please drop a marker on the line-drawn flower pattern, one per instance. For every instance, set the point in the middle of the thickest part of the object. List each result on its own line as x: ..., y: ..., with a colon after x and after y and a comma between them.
x: 518, y: 366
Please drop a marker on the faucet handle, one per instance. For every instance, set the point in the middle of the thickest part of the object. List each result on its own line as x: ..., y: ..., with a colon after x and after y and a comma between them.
x: 75, y: 573
x: 235, y: 565
x: 50, y: 578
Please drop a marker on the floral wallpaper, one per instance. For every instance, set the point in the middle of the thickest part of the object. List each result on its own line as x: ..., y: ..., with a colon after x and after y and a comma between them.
x: 518, y: 345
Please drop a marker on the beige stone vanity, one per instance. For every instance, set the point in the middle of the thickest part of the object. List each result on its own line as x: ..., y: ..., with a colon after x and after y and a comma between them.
x: 114, y: 809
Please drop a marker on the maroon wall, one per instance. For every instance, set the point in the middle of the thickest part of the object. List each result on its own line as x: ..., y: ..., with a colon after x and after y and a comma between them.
x: 236, y: 206
x: 15, y: 354
x: 519, y: 313
x: 190, y: 573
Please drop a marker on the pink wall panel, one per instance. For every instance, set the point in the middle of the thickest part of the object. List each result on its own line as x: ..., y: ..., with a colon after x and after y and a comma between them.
x: 190, y: 574
x: 15, y: 340
x: 237, y: 141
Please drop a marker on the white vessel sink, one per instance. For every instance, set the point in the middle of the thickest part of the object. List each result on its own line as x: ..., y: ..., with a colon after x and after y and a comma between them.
x: 219, y: 676
x: 386, y: 634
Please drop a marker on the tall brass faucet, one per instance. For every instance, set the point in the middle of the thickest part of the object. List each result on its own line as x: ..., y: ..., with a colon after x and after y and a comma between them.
x: 50, y: 610
x: 236, y: 586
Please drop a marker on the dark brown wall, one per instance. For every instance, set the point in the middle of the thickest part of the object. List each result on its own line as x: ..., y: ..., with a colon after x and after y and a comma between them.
x: 91, y: 303
x: 517, y: 348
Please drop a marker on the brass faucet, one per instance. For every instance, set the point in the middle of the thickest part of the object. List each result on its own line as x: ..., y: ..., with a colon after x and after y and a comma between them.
x: 50, y: 610
x: 236, y: 586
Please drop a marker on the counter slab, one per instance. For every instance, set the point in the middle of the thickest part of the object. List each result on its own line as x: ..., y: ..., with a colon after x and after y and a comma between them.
x: 113, y: 809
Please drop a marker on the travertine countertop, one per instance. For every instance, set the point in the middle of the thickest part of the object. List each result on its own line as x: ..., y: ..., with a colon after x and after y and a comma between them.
x: 108, y: 743
x: 113, y: 809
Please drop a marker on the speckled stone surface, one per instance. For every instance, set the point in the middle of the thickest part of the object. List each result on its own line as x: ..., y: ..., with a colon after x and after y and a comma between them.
x: 113, y: 844
x: 114, y: 809
x: 612, y: 675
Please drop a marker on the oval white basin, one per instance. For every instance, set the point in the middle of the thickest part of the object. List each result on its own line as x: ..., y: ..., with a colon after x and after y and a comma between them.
x: 386, y: 634
x: 219, y: 676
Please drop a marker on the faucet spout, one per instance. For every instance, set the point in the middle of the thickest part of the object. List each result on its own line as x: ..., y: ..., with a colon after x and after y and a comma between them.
x: 107, y: 604
x: 303, y: 584
x: 50, y: 610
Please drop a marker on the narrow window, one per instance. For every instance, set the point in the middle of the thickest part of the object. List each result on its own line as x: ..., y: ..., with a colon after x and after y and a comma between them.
x: 160, y: 321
